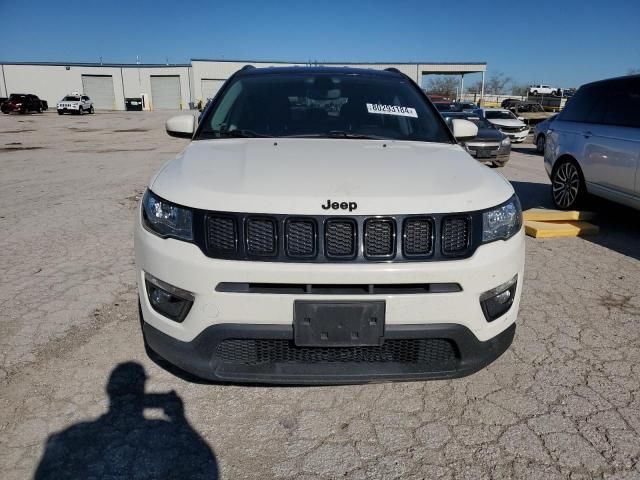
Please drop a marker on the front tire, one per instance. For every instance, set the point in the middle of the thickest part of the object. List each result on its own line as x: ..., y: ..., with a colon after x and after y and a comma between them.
x: 568, y: 188
x: 540, y: 142
x: 91, y: 111
x: 60, y: 112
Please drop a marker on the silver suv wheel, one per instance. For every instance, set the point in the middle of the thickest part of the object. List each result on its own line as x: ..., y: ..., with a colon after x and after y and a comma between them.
x: 566, y: 185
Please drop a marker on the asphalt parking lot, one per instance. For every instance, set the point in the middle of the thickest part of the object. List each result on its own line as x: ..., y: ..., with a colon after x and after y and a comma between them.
x: 562, y: 403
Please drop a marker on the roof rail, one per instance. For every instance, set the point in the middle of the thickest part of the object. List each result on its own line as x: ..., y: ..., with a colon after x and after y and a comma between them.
x: 247, y: 67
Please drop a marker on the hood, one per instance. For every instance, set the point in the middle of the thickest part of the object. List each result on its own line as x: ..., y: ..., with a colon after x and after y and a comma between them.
x: 488, y: 135
x: 298, y: 176
x: 506, y: 122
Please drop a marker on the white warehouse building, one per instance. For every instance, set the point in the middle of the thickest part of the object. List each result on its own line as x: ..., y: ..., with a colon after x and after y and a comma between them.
x: 167, y: 87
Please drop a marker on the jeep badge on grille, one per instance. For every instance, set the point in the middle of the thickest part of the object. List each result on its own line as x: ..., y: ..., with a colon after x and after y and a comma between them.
x: 351, y: 206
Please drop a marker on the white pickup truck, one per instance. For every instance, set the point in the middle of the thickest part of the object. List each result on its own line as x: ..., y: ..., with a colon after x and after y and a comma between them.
x: 544, y: 90
x: 75, y: 103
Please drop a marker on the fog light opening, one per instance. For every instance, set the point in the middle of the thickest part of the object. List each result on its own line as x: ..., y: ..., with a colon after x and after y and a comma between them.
x: 497, y: 301
x: 169, y: 301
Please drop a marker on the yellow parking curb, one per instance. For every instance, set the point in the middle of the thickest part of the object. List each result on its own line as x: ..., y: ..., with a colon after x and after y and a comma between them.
x: 538, y: 229
x: 544, y: 215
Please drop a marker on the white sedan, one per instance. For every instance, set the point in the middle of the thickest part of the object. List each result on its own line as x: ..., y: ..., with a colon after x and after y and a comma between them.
x: 512, y: 126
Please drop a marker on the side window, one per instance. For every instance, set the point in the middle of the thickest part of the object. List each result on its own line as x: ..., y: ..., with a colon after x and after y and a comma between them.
x: 580, y: 105
x: 85, y: 98
x: 623, y: 105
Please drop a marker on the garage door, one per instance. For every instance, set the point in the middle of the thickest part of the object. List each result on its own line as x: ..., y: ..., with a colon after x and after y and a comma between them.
x: 210, y: 87
x: 165, y: 92
x: 99, y: 88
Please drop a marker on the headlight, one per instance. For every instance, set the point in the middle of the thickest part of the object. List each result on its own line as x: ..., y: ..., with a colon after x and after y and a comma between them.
x: 505, y: 141
x: 166, y: 219
x: 502, y: 222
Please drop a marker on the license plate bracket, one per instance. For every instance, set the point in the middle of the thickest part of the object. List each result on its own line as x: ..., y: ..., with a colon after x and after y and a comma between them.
x: 338, y: 323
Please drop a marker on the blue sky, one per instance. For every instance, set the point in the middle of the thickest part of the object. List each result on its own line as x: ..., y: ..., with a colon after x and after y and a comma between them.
x: 562, y: 42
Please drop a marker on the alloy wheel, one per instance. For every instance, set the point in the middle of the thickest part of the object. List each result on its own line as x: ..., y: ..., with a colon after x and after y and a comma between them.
x: 566, y: 185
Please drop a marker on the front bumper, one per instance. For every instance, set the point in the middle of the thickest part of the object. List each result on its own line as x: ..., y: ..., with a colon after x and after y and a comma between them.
x: 267, y: 354
x: 516, y: 137
x: 494, y: 153
x: 456, y: 317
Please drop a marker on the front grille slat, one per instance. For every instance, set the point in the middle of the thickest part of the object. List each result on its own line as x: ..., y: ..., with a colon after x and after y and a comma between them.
x: 418, y: 237
x: 455, y: 235
x: 270, y: 351
x: 261, y: 236
x: 301, y: 238
x: 379, y: 237
x: 222, y: 233
x: 340, y: 238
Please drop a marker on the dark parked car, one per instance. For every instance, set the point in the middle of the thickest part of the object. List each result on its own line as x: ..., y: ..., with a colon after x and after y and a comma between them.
x: 23, y: 103
x: 465, y: 106
x: 490, y: 145
x: 445, y: 106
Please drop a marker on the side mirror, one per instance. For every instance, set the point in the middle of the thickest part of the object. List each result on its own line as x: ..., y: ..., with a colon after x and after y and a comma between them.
x: 463, y: 129
x: 181, y: 126
x: 521, y: 119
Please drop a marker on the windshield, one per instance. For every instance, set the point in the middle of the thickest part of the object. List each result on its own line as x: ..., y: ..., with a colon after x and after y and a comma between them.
x: 71, y: 99
x: 499, y: 115
x: 323, y: 105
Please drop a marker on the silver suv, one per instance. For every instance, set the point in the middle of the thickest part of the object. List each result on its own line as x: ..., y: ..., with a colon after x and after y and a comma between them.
x: 593, y: 146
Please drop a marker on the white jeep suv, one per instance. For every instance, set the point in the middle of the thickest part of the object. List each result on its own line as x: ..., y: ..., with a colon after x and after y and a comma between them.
x: 593, y: 145
x: 324, y: 226
x: 75, y: 103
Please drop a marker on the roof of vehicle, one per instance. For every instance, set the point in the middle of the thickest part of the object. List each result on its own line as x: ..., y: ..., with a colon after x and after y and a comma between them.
x: 330, y: 70
x: 615, y: 79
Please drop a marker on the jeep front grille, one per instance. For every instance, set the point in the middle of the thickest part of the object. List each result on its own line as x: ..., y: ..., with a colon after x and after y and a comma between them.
x: 283, y: 238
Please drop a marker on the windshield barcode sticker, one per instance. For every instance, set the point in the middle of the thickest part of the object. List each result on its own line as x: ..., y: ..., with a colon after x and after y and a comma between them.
x: 391, y: 110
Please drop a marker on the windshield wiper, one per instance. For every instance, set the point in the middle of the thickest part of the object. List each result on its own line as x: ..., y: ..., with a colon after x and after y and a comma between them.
x: 240, y: 133
x: 338, y: 134
x: 343, y: 134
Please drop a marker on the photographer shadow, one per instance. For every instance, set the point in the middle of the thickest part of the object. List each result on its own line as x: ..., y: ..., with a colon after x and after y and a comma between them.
x: 122, y: 443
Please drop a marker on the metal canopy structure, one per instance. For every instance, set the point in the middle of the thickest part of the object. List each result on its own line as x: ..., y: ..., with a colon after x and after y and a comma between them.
x: 461, y: 69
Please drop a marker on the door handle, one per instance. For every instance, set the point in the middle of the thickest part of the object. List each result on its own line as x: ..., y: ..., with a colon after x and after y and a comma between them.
x: 587, y: 134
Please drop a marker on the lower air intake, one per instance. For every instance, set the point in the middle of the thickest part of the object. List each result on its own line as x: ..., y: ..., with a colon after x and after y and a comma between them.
x: 408, y: 351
